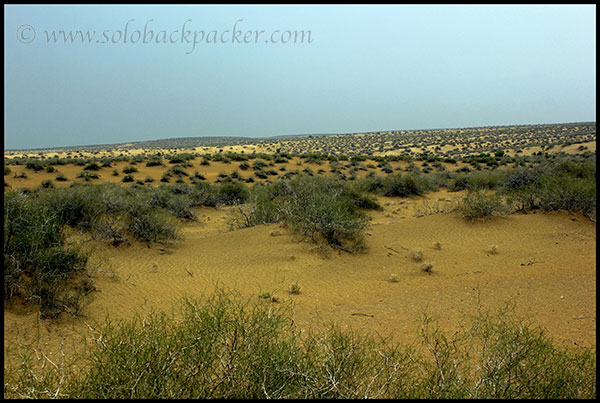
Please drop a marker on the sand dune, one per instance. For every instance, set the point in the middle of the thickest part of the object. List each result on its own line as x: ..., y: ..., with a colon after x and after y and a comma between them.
x: 545, y: 264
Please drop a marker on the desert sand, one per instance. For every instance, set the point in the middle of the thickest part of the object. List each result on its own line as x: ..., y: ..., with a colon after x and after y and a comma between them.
x: 545, y: 266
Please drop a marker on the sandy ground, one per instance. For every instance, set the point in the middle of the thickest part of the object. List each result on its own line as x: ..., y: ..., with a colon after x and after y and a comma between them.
x: 545, y: 265
x: 210, y: 172
x: 308, y: 145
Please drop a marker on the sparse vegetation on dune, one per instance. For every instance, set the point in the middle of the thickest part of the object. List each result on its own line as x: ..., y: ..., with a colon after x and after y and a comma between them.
x: 319, y: 209
x: 223, y: 346
x: 324, y: 190
x: 488, y: 145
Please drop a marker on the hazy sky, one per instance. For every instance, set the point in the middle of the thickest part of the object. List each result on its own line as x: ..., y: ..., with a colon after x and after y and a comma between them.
x: 367, y: 69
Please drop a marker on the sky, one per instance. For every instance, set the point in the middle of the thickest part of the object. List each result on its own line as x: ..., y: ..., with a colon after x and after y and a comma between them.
x: 351, y: 69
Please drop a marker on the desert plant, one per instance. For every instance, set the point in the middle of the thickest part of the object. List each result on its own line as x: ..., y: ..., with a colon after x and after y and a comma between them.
x: 47, y: 184
x: 223, y: 346
x: 405, y: 185
x: 232, y: 193
x: 154, y: 162
x: 294, y: 288
x: 319, y: 209
x: 563, y: 193
x: 416, y: 255
x: 92, y: 166
x: 480, y: 205
x: 34, y: 165
x: 129, y: 169
x: 77, y: 206
x: 37, y: 264
x: 86, y: 176
x: 260, y: 174
x: 148, y: 224
x: 265, y: 294
x: 179, y: 205
x: 178, y: 170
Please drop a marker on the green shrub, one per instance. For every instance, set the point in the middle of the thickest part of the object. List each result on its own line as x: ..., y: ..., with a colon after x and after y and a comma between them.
x: 480, y: 205
x: 573, y: 195
x: 34, y: 165
x: 129, y: 169
x: 360, y: 198
x: 92, y: 166
x: 563, y: 185
x: 47, y: 184
x: 111, y: 211
x: 260, y: 208
x: 371, y: 183
x: 477, y: 180
x: 77, y: 206
x: 203, y: 194
x: 86, y: 176
x: 232, y: 193
x: 37, y: 264
x: 575, y: 169
x: 460, y: 183
x: 179, y: 205
x: 484, y: 180
x: 319, y: 209
x: 259, y: 165
x: 399, y: 185
x: 154, y: 162
x: 178, y: 170
x: 261, y: 174
x: 521, y: 178
x: 236, y: 175
x: 181, y: 158
x: 127, y: 178
x: 224, y: 346
x: 148, y: 224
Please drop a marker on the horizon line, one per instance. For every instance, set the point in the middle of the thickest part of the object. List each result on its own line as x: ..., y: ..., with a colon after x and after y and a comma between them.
x: 291, y: 135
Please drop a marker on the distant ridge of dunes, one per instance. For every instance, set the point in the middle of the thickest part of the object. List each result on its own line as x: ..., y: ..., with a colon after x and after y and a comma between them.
x: 221, y: 141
